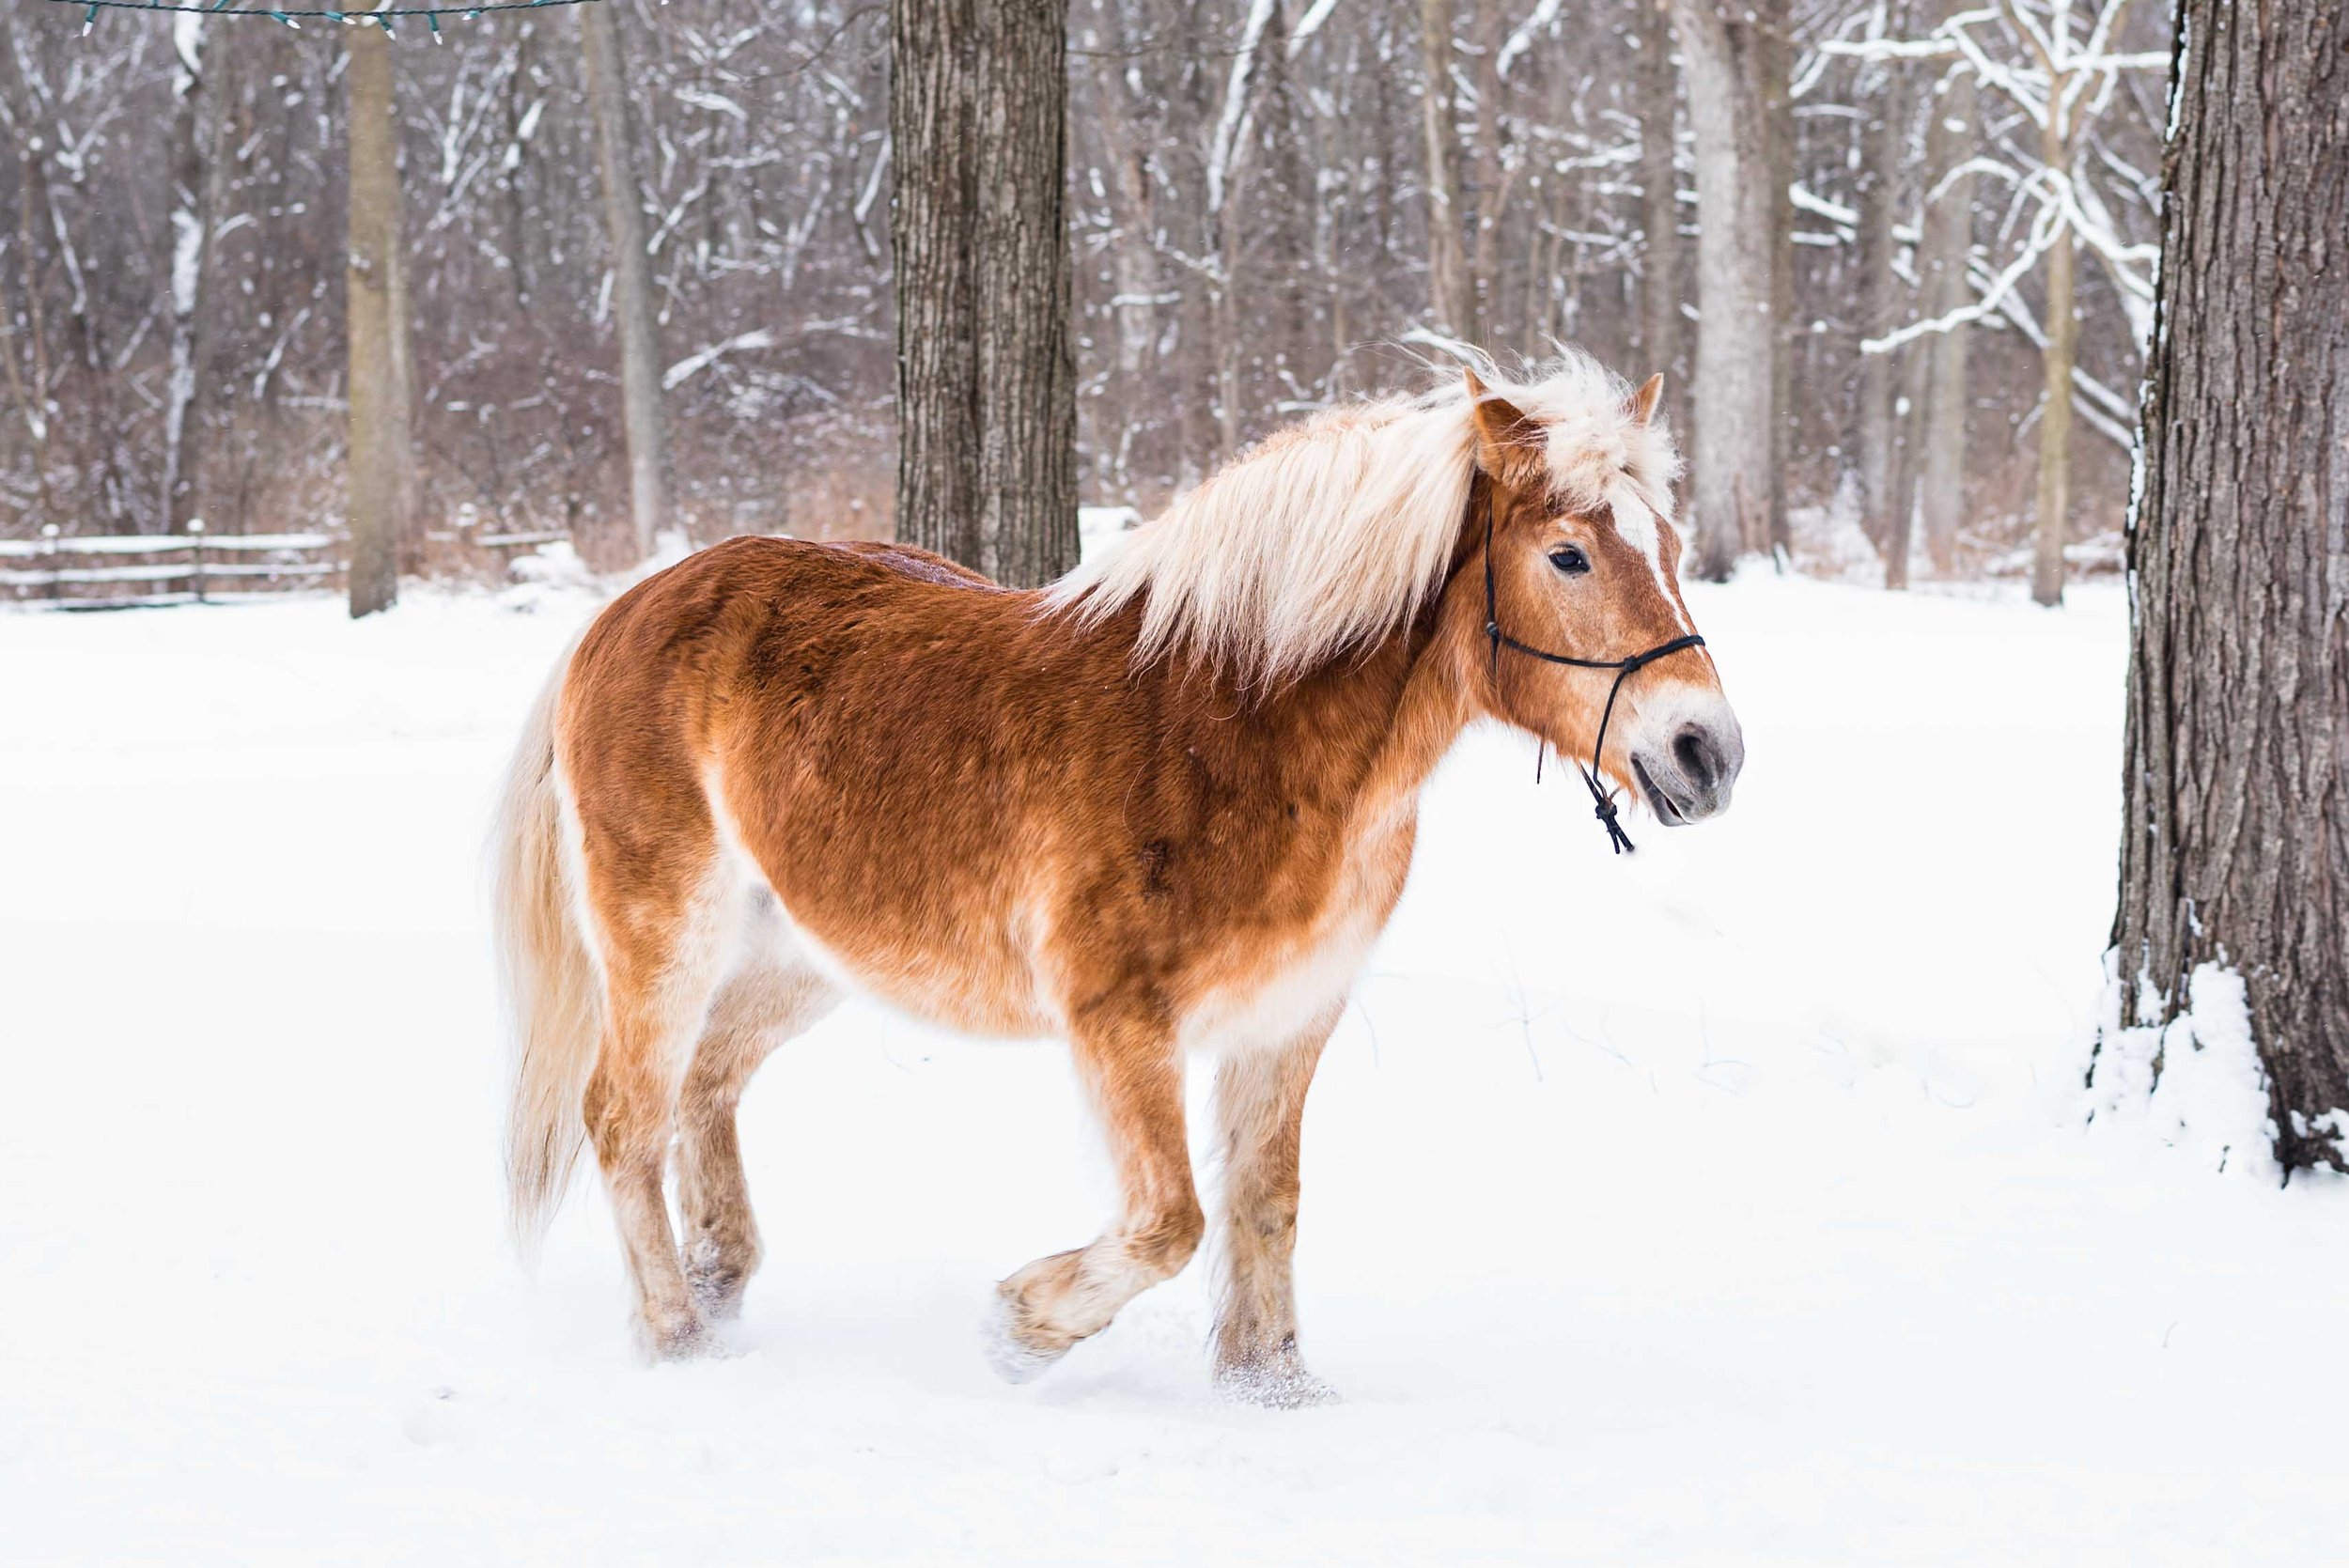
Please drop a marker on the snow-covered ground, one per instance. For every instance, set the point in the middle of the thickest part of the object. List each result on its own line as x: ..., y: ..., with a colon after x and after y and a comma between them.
x: 1725, y: 1204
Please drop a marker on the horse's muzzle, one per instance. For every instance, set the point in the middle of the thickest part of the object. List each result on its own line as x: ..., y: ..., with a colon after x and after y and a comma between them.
x: 1690, y: 779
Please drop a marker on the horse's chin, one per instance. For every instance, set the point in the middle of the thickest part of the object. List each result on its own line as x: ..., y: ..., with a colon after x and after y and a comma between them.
x: 1668, y: 812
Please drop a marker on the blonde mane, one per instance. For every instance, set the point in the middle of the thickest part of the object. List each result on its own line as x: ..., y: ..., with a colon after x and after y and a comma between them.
x: 1339, y: 529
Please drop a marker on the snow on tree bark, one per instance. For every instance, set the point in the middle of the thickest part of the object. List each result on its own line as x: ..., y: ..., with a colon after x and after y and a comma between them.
x: 194, y: 192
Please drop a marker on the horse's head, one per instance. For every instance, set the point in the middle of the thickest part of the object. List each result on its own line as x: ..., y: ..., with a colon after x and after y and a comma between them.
x: 1584, y: 567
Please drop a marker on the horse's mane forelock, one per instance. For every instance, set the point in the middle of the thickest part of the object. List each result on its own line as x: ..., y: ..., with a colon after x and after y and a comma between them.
x: 1339, y: 529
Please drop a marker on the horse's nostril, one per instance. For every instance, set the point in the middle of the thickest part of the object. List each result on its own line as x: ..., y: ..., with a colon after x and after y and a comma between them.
x: 1691, y: 750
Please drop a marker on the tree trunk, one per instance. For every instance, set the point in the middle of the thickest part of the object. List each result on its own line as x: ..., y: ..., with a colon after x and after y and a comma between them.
x: 2235, y: 845
x: 2055, y: 422
x: 194, y: 190
x: 1948, y: 234
x: 1883, y: 306
x: 1227, y: 346
x: 1137, y: 265
x: 29, y: 387
x: 1737, y: 334
x: 987, y: 459
x: 932, y: 78
x: 1660, y: 321
x: 1908, y: 401
x: 1490, y: 175
x: 407, y: 511
x: 1451, y: 292
x: 379, y: 450
x: 1772, y: 24
x: 1027, y: 353
x: 631, y: 278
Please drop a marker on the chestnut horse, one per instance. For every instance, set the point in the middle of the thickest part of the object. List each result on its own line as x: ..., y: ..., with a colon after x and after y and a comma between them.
x: 1164, y: 806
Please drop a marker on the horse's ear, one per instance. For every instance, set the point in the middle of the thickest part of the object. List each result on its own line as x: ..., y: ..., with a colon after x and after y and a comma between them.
x: 1505, y: 438
x: 1643, y: 401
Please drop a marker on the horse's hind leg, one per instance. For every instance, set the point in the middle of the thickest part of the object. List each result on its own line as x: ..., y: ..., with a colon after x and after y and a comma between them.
x: 1136, y: 1074
x: 1259, y: 1112
x: 660, y: 974
x: 756, y: 1011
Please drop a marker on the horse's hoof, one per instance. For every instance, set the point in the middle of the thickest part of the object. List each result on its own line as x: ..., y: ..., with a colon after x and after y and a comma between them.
x: 1012, y: 1344
x: 1274, y: 1384
x: 683, y: 1338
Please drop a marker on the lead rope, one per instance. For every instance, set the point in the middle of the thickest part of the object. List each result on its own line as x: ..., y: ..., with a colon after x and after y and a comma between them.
x: 1602, y: 797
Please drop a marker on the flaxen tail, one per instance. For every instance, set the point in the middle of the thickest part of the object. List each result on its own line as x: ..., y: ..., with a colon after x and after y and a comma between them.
x: 552, y: 989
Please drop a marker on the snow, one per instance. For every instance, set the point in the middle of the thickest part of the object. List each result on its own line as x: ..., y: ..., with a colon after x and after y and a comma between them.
x: 1101, y: 529
x: 694, y: 364
x: 187, y: 40
x: 1544, y: 14
x: 1729, y: 1204
x: 2196, y: 1082
x: 1310, y: 24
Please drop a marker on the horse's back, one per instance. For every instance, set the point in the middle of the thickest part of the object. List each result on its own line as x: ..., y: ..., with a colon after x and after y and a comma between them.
x: 727, y: 621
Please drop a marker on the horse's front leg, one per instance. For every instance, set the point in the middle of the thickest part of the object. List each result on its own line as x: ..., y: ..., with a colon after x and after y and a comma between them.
x: 1136, y: 1076
x: 1259, y: 1111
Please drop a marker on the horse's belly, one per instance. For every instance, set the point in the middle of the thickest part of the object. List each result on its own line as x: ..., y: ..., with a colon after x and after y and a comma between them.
x: 974, y: 987
x: 976, y: 984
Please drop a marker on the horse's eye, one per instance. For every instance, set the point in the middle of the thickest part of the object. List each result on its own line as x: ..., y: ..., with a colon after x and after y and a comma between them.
x: 1570, y: 560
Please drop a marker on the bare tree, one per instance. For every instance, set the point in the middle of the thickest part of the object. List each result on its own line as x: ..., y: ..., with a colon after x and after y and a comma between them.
x: 380, y: 451
x: 2235, y: 847
x: 196, y: 183
x: 2060, y: 81
x: 631, y: 285
x: 1661, y: 284
x: 1773, y: 30
x: 1261, y: 45
x: 1451, y: 286
x: 1886, y: 94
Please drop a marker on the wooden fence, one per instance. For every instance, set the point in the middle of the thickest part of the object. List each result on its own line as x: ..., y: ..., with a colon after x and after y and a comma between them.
x: 114, y: 571
x: 120, y: 571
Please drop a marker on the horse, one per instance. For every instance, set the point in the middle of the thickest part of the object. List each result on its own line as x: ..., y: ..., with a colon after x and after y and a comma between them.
x: 1160, y: 807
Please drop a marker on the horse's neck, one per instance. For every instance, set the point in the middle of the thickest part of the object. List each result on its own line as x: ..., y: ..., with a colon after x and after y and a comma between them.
x: 1380, y: 721
x: 1435, y: 706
